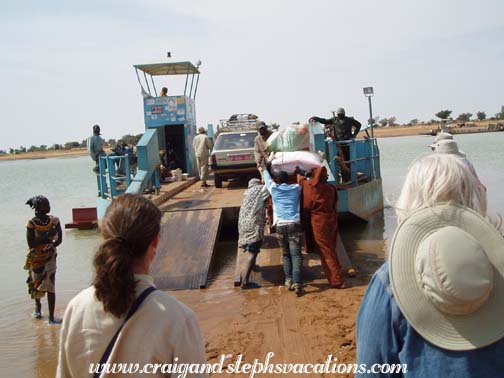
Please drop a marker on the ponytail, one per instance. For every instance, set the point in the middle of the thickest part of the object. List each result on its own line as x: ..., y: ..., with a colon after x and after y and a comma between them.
x: 129, y: 226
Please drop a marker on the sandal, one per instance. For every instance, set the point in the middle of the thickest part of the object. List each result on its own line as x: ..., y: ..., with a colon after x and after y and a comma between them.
x: 250, y: 285
x: 351, y: 272
x: 341, y: 286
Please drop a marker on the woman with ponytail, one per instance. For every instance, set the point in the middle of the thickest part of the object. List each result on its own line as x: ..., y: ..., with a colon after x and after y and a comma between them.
x: 121, y: 318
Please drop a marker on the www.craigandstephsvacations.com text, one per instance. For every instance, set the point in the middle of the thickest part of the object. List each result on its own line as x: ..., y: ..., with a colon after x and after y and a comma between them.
x: 228, y: 365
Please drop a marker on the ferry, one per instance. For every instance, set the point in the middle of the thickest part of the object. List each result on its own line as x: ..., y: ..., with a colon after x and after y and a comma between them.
x: 192, y: 217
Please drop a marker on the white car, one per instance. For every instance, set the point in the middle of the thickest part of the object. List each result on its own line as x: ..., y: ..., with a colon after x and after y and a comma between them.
x: 233, y: 156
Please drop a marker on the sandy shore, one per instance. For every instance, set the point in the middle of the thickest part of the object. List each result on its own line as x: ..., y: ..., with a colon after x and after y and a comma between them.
x: 74, y: 152
x: 46, y: 154
x: 425, y: 129
x: 379, y: 132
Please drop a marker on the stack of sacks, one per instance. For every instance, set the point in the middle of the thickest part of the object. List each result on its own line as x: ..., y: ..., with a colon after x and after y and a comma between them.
x: 288, y: 161
x: 292, y: 138
x: 289, y: 149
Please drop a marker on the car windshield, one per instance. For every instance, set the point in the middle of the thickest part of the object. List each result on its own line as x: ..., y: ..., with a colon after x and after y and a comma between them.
x: 235, y: 141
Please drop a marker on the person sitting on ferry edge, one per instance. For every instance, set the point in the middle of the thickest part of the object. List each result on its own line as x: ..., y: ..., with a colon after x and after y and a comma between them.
x: 122, y: 318
x: 436, y: 306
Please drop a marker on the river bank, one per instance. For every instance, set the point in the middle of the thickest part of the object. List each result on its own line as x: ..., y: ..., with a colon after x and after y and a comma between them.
x: 74, y: 152
x: 431, y: 128
x: 379, y: 132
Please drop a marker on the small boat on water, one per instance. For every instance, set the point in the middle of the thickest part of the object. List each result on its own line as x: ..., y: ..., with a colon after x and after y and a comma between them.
x: 83, y: 218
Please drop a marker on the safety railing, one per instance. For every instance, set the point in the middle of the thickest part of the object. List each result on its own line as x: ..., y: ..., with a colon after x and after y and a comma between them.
x: 360, y: 161
x: 114, y: 176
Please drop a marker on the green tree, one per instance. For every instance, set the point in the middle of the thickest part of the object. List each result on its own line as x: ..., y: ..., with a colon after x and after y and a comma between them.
x: 464, y: 117
x: 33, y: 149
x: 481, y: 115
x: 444, y: 114
x: 383, y: 122
x: 11, y: 151
x: 42, y: 147
x: 392, y: 121
x: 413, y: 122
x: 70, y: 145
x: 129, y: 139
x: 2, y: 152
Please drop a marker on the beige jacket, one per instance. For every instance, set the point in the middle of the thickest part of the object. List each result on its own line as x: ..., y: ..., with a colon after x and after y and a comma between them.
x: 163, y: 328
x: 202, y: 145
x: 260, y: 150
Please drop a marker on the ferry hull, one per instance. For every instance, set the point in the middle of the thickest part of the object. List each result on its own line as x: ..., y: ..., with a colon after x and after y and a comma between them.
x: 361, y: 201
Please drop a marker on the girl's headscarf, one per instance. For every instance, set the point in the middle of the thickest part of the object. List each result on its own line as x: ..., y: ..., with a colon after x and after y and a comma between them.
x: 38, y: 202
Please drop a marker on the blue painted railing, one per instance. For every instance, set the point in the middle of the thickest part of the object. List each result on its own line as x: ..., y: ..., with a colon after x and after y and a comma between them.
x: 147, y: 176
x: 113, y: 181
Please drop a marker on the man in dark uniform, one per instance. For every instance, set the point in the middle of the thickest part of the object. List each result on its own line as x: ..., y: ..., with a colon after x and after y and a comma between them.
x: 341, y: 128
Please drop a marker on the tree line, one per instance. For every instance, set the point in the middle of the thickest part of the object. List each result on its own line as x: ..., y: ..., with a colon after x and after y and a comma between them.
x: 442, y: 115
x: 128, y: 139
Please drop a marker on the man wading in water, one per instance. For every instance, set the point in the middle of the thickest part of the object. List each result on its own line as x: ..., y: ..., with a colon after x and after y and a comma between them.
x: 43, y: 234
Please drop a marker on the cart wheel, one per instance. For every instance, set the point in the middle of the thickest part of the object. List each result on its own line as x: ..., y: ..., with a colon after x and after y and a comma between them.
x: 218, y: 181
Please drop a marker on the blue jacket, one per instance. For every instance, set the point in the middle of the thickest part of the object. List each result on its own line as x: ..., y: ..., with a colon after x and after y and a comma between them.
x: 385, y: 336
x: 285, y: 200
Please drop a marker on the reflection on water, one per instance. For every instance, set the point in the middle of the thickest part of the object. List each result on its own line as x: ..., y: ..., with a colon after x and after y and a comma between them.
x: 29, y: 346
x: 222, y: 272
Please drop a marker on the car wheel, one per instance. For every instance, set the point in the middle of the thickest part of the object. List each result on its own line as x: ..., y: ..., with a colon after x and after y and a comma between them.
x: 218, y: 181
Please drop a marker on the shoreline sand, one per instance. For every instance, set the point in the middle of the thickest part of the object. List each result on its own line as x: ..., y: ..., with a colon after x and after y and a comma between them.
x: 379, y: 132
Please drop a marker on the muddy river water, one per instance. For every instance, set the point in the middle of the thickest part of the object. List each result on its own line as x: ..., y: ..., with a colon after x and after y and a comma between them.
x: 29, y: 347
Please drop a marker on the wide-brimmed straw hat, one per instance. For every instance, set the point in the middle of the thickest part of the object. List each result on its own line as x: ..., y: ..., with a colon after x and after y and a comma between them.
x: 446, y: 272
x: 448, y: 146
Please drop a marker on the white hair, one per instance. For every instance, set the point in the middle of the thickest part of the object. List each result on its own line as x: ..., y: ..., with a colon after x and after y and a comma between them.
x: 438, y: 178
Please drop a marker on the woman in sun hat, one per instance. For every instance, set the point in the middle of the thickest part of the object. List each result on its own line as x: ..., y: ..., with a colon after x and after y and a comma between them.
x: 436, y: 306
x: 449, y: 146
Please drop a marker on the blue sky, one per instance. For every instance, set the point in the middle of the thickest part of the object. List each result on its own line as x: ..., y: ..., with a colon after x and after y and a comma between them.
x: 66, y: 65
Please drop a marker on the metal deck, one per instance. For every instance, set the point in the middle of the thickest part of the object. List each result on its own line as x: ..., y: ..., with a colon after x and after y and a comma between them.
x: 186, y: 249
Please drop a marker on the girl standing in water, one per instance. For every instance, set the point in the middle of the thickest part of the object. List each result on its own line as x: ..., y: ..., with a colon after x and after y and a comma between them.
x: 43, y: 234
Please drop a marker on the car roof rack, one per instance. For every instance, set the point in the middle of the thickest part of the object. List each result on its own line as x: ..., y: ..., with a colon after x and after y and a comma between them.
x: 239, y: 122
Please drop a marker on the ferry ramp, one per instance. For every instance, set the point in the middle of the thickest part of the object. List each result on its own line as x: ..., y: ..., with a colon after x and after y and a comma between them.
x: 190, y: 228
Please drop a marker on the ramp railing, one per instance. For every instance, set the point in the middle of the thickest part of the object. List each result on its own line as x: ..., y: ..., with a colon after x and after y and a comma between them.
x: 147, y: 175
x: 117, y: 176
